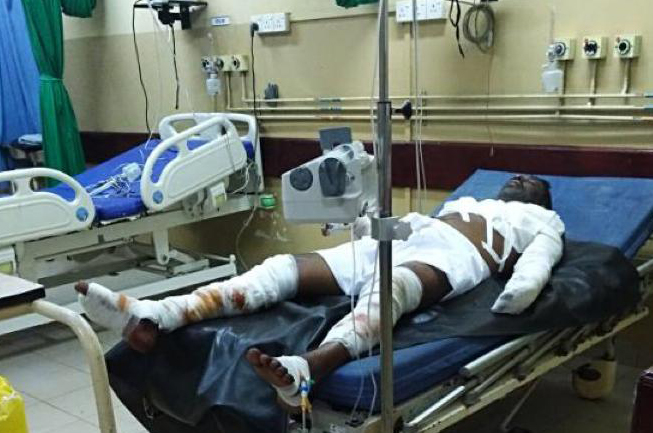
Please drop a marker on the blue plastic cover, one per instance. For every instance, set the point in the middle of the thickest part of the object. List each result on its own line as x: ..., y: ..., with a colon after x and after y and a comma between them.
x: 112, y: 205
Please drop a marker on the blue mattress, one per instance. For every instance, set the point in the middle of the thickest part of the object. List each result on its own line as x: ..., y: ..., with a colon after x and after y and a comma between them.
x: 110, y: 206
x: 613, y: 211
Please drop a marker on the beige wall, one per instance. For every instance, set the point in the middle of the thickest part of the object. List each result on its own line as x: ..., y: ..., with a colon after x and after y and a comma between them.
x: 333, y: 56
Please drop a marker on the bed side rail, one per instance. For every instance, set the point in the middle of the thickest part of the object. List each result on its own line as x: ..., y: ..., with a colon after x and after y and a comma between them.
x: 29, y: 214
x: 167, y: 125
x: 167, y: 129
x: 193, y: 170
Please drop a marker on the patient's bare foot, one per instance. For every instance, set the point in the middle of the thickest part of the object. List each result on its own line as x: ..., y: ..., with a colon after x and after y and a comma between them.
x: 273, y: 372
x: 269, y: 369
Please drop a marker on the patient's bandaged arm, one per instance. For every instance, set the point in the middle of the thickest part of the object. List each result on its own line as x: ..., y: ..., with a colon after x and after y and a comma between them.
x: 531, y: 273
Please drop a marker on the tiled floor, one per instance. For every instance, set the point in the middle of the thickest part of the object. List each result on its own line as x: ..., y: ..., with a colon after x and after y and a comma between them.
x: 47, y: 367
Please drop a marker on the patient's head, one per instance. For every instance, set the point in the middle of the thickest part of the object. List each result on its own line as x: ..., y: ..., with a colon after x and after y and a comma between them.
x: 527, y: 188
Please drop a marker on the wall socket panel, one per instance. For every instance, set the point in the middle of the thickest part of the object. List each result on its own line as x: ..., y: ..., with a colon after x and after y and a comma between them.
x: 272, y: 23
x: 426, y: 10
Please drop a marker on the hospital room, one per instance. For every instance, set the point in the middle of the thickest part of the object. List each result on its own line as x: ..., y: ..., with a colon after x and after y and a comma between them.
x: 326, y: 216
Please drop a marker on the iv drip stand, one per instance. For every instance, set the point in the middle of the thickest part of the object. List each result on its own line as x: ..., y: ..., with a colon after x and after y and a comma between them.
x: 384, y: 167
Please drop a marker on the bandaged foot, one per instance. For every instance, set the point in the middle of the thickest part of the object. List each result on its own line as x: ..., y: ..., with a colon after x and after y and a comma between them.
x: 118, y: 312
x: 284, y: 373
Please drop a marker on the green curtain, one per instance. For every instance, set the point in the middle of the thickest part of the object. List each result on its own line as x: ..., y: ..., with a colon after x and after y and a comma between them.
x: 61, y: 141
x: 354, y: 3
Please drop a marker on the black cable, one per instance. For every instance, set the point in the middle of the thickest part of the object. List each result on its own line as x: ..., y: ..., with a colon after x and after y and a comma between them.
x: 140, y: 70
x: 174, y: 62
x: 253, y: 30
x: 456, y: 22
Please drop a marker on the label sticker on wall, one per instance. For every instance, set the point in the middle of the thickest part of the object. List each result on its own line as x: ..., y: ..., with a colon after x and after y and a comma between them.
x: 220, y: 20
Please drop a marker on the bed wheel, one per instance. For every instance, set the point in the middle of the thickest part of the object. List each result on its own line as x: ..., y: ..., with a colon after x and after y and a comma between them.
x: 595, y: 380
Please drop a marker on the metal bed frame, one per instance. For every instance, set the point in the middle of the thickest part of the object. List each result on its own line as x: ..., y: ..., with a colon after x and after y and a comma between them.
x: 516, y: 364
x: 51, y: 259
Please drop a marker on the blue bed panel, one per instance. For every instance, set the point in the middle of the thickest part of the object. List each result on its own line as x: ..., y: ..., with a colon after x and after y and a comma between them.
x: 609, y: 210
x: 416, y: 369
x: 114, y: 207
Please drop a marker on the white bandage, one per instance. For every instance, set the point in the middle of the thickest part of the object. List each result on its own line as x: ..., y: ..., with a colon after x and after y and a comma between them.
x: 361, y: 332
x: 106, y: 308
x: 298, y: 368
x: 273, y: 281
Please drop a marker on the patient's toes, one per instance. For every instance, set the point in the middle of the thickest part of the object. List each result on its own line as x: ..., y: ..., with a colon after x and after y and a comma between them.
x: 274, y: 364
x: 253, y: 356
x: 265, y: 360
x: 289, y: 379
x: 82, y: 287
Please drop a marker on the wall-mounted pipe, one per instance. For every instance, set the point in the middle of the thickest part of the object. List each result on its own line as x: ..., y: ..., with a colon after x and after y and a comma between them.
x: 462, y: 118
x: 593, y: 78
x: 627, y: 71
x: 479, y: 108
x: 477, y: 97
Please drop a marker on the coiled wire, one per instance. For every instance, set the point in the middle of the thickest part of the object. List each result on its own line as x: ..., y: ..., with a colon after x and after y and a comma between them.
x: 482, y: 38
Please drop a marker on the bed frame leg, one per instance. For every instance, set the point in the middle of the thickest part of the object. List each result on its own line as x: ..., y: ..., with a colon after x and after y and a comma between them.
x: 505, y: 425
x: 94, y: 357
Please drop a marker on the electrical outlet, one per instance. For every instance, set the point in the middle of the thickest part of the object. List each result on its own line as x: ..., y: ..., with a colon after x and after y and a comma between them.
x: 426, y: 10
x: 404, y: 11
x: 435, y: 10
x: 240, y: 63
x: 627, y: 46
x: 564, y: 49
x: 272, y: 23
x: 421, y: 10
x: 594, y: 47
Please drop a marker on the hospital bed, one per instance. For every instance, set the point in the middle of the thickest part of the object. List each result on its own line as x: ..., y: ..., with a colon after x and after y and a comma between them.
x: 201, y: 168
x: 437, y: 383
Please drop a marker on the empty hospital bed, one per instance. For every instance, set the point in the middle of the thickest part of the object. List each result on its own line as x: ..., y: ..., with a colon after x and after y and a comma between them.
x: 444, y: 377
x: 202, y: 167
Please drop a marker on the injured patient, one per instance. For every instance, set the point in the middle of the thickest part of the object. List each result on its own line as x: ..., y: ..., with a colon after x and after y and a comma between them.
x: 517, y: 235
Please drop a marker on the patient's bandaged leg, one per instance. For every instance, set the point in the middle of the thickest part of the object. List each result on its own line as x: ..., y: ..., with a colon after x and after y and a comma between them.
x: 273, y: 281
x: 360, y: 330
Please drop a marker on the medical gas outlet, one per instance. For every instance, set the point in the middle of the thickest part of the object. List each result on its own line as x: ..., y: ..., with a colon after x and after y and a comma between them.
x: 627, y: 46
x: 594, y: 47
x: 564, y: 49
x: 212, y: 67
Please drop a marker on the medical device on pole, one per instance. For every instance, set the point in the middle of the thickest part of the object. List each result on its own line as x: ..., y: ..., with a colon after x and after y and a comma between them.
x: 335, y: 188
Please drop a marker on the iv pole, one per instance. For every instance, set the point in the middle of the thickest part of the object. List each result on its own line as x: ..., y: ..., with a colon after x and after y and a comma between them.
x: 384, y: 167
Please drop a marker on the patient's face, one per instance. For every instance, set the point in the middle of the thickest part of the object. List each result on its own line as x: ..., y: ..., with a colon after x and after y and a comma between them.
x: 526, y: 188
